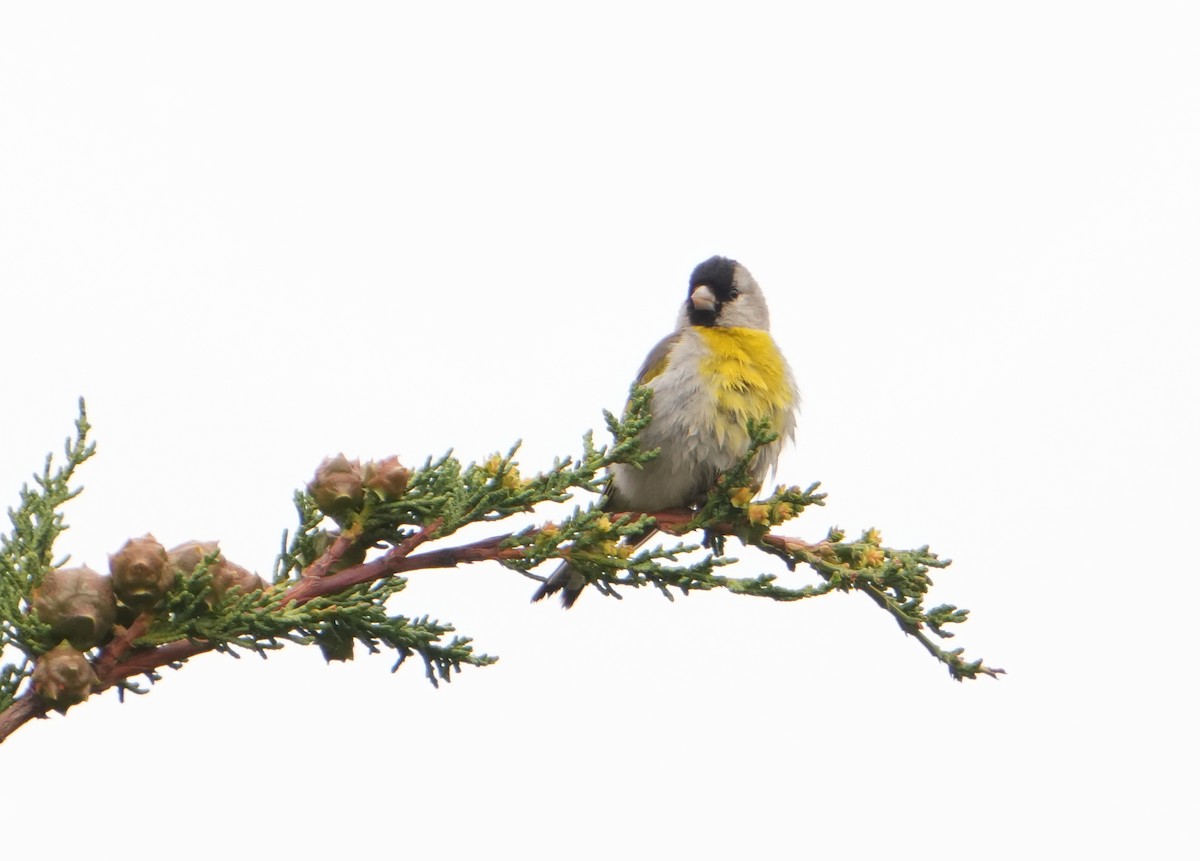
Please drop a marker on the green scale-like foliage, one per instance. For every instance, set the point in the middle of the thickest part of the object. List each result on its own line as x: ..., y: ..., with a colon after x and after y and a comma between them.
x: 26, y: 554
x: 338, y: 570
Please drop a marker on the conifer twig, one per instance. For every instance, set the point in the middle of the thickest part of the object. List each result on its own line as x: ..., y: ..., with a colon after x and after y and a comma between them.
x: 363, y: 528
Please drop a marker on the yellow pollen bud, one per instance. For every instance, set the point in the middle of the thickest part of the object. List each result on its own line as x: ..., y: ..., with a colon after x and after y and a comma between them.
x: 759, y: 514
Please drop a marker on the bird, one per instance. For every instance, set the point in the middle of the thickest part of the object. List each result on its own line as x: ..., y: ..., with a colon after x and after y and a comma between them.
x: 719, y: 369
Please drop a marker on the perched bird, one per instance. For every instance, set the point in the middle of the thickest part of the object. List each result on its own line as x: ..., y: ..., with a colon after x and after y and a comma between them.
x: 718, y: 369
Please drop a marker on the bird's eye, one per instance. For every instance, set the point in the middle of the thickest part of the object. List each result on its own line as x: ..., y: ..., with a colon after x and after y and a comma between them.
x: 733, y: 293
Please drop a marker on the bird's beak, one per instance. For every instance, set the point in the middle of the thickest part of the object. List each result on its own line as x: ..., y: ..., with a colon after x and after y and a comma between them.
x: 703, y: 299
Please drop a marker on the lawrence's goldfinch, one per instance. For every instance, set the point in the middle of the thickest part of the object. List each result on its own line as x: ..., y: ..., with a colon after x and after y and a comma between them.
x: 718, y: 369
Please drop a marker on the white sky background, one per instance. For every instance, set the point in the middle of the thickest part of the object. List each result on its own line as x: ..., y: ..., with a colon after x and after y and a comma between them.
x: 255, y: 235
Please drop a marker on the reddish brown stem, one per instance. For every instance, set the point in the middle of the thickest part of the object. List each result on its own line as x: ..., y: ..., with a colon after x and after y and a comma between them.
x: 341, y: 545
x: 117, y: 662
x: 121, y: 644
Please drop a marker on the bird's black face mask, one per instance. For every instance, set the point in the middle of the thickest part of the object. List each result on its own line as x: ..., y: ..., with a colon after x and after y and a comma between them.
x: 715, y: 274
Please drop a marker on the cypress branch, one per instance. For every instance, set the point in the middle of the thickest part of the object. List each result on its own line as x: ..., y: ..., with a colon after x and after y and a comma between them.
x: 362, y: 528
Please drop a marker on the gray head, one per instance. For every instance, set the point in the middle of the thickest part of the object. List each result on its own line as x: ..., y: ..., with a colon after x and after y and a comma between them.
x: 721, y: 292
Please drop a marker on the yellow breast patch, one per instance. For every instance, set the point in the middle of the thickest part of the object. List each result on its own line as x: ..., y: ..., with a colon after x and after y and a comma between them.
x: 747, y: 373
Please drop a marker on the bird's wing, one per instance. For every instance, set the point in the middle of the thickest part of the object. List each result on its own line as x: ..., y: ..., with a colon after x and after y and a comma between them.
x: 656, y: 362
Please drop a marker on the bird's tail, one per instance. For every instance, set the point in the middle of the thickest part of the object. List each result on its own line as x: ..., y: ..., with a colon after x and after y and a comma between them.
x: 567, y: 578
